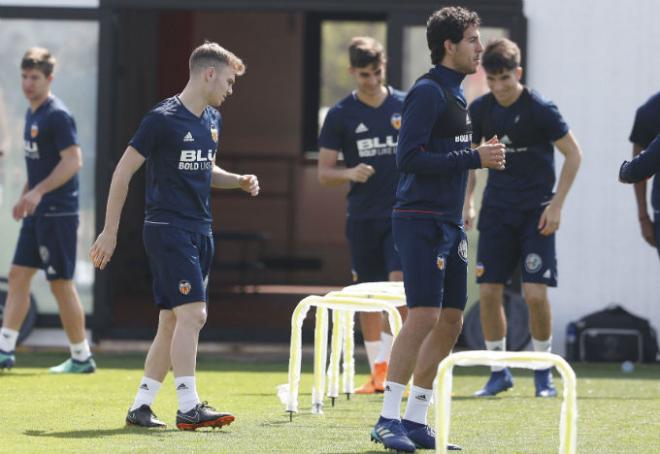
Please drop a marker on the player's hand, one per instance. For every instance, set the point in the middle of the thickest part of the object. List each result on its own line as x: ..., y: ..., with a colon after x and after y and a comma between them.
x: 18, y: 211
x: 468, y: 217
x: 30, y: 200
x: 249, y: 183
x: 648, y: 230
x: 361, y: 173
x: 549, y: 222
x: 102, y: 249
x: 492, y: 154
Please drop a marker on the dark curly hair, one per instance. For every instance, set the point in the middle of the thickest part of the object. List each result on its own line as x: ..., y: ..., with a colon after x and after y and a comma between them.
x: 448, y: 23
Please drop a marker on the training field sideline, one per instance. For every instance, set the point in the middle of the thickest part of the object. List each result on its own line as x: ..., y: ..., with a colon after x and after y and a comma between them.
x: 618, y: 413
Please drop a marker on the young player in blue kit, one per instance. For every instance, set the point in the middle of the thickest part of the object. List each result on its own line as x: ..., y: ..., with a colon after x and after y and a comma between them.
x: 645, y: 129
x: 433, y: 156
x: 178, y: 139
x: 48, y: 207
x: 519, y: 214
x: 364, y: 126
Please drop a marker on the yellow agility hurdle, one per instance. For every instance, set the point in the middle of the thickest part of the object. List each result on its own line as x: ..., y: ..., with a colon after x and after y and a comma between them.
x: 529, y: 360
x: 360, y: 297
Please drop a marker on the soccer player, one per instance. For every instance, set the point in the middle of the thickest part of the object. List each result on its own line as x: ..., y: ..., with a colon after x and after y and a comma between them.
x: 48, y: 207
x: 365, y: 127
x: 644, y: 165
x: 645, y: 129
x: 179, y: 139
x: 519, y: 214
x: 433, y: 156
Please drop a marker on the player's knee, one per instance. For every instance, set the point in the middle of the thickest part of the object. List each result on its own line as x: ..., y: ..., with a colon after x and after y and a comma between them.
x: 490, y: 294
x: 192, y: 317
x: 452, y: 321
x: 536, y: 300
x: 19, y: 278
x: 166, y: 322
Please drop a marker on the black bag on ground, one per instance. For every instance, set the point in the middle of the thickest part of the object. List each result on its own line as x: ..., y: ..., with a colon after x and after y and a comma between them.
x: 612, y: 334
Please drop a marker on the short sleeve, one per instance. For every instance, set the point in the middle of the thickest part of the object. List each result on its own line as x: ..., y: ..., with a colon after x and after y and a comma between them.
x: 145, y: 139
x: 64, y: 130
x: 332, y: 132
x: 549, y: 120
x: 476, y: 117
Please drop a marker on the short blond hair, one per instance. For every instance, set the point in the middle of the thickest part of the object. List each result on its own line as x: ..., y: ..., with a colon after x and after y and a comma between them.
x: 210, y: 54
x: 39, y: 58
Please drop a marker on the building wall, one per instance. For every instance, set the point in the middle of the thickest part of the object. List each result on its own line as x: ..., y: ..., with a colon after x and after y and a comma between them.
x: 597, y: 61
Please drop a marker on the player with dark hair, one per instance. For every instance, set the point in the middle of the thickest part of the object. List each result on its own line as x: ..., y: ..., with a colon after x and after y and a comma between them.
x: 179, y: 140
x: 519, y: 214
x: 364, y: 126
x: 433, y: 156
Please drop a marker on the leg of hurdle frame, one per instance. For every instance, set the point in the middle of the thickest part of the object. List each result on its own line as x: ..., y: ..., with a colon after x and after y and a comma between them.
x: 530, y: 360
x: 320, y: 358
x: 335, y: 355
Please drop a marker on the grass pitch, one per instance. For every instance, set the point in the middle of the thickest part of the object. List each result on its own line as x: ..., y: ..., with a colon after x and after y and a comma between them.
x: 618, y: 413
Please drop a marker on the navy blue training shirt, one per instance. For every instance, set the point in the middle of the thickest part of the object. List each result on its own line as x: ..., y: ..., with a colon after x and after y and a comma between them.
x: 645, y: 128
x: 528, y: 128
x: 180, y: 149
x: 368, y: 135
x: 434, y: 169
x: 644, y: 165
x: 48, y: 131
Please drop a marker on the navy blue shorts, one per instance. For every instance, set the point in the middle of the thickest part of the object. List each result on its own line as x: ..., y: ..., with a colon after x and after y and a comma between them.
x: 508, y: 237
x: 434, y: 258
x: 180, y: 262
x: 373, y: 255
x: 48, y: 242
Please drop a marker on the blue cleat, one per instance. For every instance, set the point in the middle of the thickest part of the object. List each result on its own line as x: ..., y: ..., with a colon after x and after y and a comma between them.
x: 499, y: 381
x: 423, y: 436
x: 543, y: 383
x: 7, y: 360
x: 391, y: 433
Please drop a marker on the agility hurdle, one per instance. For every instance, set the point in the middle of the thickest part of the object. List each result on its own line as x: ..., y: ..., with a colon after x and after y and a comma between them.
x: 529, y: 360
x: 358, y: 298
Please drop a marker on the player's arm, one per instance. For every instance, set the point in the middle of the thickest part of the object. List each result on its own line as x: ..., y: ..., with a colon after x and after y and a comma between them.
x: 468, y: 206
x: 105, y: 244
x: 221, y: 179
x: 330, y: 174
x: 70, y: 163
x: 420, y: 111
x: 550, y: 219
x: 645, y: 222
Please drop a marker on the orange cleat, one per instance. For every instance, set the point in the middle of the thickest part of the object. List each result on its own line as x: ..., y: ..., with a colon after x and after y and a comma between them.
x: 379, y: 375
x: 367, y: 388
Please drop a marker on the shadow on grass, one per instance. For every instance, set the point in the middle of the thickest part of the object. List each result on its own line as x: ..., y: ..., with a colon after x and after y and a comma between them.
x: 96, y: 433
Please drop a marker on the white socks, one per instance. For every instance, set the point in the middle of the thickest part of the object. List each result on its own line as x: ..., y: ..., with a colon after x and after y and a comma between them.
x: 496, y: 346
x: 186, y: 392
x: 8, y: 338
x: 80, y: 351
x: 372, y: 348
x: 392, y: 400
x: 146, y: 392
x: 418, y: 404
x: 385, y: 347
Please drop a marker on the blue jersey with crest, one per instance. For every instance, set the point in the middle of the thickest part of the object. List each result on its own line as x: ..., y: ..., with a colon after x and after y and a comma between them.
x: 434, y: 152
x: 49, y: 130
x: 368, y: 135
x: 528, y: 128
x: 180, y: 149
x: 645, y: 129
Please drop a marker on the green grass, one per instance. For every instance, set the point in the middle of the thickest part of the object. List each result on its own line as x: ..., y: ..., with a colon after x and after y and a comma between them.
x: 618, y: 413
